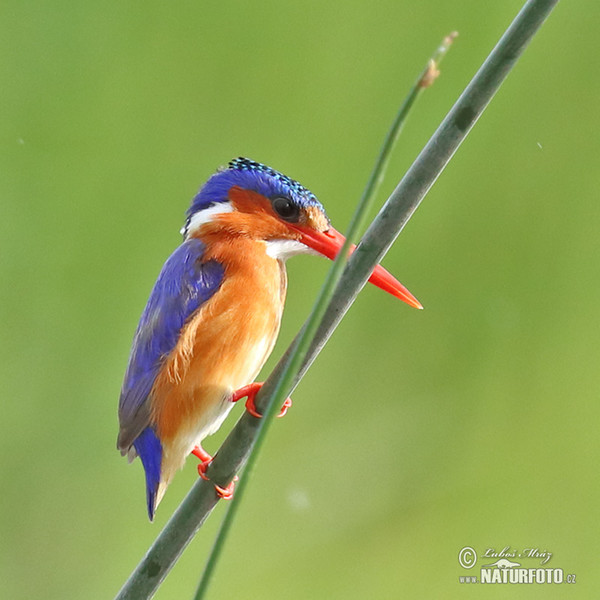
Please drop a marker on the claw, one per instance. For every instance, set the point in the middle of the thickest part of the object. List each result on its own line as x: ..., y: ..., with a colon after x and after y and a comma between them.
x: 251, y: 407
x: 226, y: 493
x: 250, y: 392
x: 205, y: 460
x: 286, y: 405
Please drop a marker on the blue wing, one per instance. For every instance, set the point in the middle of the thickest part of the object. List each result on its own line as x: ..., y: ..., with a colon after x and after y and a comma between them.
x: 184, y: 284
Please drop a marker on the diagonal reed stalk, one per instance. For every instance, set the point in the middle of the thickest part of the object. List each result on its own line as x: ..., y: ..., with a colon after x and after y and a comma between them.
x: 233, y: 454
x: 303, y: 340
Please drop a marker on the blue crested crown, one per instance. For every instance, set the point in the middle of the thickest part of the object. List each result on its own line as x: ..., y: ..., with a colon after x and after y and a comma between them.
x: 251, y: 175
x: 282, y: 183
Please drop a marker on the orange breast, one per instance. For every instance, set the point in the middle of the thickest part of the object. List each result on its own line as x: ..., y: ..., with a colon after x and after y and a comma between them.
x: 225, y: 344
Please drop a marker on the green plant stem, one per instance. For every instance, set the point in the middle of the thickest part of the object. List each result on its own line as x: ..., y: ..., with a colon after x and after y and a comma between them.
x: 201, y: 499
x: 303, y: 341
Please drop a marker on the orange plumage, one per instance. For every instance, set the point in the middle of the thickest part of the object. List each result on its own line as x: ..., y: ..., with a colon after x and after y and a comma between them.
x: 222, y: 348
x: 214, y: 313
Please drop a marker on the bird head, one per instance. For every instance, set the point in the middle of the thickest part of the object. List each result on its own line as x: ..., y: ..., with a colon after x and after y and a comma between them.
x: 254, y: 201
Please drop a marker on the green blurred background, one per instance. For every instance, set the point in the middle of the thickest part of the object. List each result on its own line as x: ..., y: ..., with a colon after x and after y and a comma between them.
x: 415, y: 434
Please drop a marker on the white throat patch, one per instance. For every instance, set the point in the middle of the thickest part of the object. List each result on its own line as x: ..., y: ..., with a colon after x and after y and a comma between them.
x: 283, y: 249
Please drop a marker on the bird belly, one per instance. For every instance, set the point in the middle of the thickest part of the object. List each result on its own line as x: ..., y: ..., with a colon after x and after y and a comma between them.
x: 201, y: 402
x: 222, y: 348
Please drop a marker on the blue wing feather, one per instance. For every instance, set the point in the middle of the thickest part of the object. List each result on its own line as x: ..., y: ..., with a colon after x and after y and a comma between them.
x: 149, y: 449
x: 184, y: 284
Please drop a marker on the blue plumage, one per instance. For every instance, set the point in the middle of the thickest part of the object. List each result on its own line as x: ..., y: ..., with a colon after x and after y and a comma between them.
x: 152, y: 420
x: 149, y: 449
x: 250, y: 175
x: 187, y: 366
x: 184, y: 284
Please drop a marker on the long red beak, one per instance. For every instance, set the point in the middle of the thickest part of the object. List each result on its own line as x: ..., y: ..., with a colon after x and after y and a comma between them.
x: 328, y: 243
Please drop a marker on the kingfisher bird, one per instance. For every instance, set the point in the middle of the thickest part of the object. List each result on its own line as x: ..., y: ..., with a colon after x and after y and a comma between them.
x: 214, y: 314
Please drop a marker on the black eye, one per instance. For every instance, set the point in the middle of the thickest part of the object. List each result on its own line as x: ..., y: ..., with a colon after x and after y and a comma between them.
x: 286, y: 209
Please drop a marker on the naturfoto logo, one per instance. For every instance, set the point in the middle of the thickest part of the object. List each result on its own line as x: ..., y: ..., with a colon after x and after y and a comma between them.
x: 510, y: 566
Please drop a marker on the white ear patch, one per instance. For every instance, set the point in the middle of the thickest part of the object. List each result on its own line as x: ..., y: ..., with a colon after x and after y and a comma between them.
x: 205, y: 216
x: 283, y: 249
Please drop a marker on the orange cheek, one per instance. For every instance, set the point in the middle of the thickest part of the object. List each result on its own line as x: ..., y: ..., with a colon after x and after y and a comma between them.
x: 247, y: 201
x: 253, y: 218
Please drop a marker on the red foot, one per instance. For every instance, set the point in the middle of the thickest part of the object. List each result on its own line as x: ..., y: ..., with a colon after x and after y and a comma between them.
x: 250, y: 392
x: 226, y: 493
x: 205, y: 460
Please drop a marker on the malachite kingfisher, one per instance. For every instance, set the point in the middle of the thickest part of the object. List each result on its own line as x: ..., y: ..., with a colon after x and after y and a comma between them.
x: 214, y: 313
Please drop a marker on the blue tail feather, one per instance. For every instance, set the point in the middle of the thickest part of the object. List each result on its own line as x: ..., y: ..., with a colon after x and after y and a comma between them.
x: 149, y: 450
